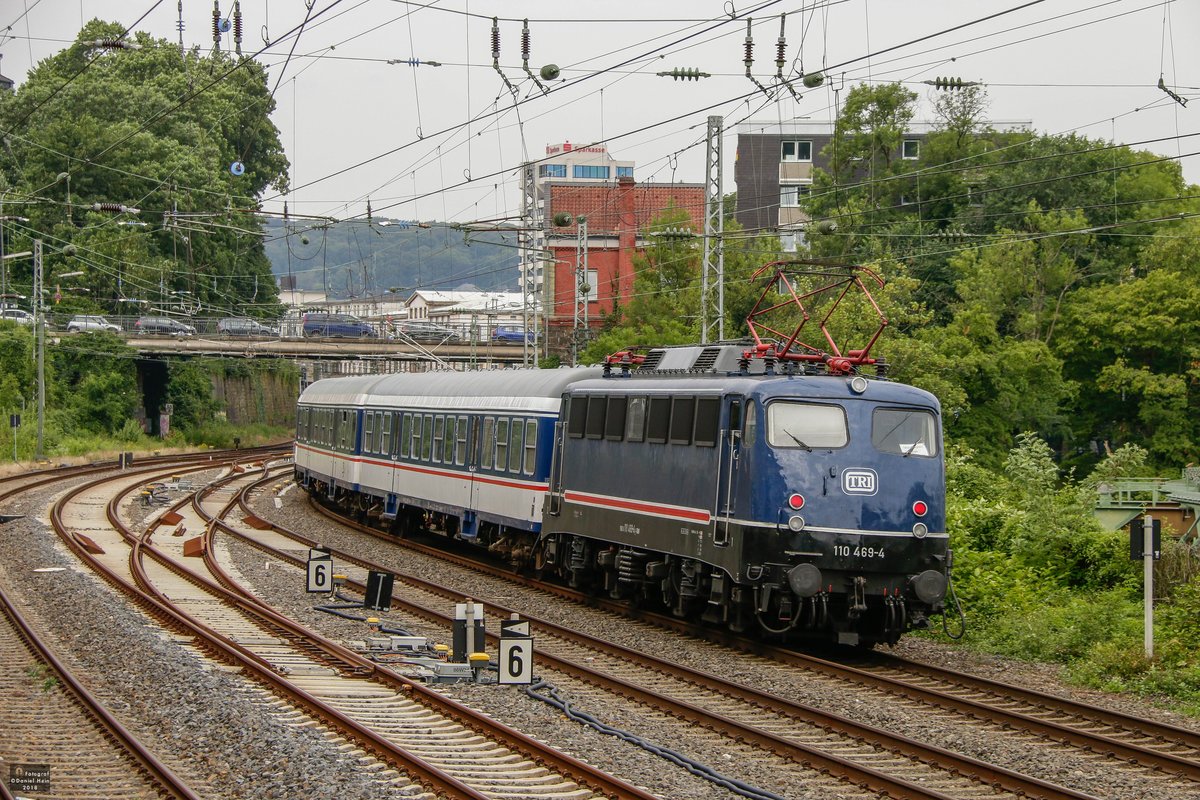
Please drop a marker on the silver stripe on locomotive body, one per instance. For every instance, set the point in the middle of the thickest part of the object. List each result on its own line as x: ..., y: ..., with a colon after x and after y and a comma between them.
x: 745, y: 523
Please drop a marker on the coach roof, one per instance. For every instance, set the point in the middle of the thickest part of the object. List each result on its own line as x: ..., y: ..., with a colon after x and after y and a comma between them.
x: 533, y: 389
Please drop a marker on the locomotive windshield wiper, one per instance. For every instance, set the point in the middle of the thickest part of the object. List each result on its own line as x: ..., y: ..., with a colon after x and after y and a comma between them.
x: 797, y: 441
x: 915, y: 444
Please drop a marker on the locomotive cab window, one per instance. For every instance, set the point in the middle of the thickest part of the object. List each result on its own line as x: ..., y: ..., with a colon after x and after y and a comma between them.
x: 805, y: 426
x: 905, y: 431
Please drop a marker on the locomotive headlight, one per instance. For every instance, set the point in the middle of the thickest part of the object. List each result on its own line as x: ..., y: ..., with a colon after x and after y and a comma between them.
x: 858, y: 384
x: 920, y: 529
x: 796, y: 523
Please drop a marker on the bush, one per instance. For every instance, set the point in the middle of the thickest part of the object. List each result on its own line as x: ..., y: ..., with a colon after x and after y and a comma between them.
x: 1066, y: 628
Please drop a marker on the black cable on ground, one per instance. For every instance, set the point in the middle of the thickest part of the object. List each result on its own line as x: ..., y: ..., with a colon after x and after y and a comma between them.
x: 553, y: 698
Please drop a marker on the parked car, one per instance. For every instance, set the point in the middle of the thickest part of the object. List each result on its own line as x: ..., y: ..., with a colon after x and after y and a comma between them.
x: 511, y: 334
x: 163, y: 325
x: 18, y: 316
x: 322, y: 323
x: 87, y: 322
x: 244, y: 326
x: 427, y: 332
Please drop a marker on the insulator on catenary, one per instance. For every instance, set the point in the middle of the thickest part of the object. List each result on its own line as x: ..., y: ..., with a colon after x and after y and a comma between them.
x: 216, y: 23
x: 685, y: 74
x: 495, y: 39
x: 525, y: 42
x: 780, y: 48
x: 414, y: 62
x: 237, y: 26
x: 749, y: 59
x: 115, y: 208
x: 112, y: 43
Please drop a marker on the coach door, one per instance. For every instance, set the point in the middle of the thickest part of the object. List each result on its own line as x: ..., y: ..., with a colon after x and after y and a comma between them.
x: 730, y: 457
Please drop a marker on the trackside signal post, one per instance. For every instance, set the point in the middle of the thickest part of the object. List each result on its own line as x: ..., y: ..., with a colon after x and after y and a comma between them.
x: 1145, y: 542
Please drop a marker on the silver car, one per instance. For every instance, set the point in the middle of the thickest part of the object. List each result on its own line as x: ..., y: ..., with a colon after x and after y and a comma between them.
x: 87, y: 322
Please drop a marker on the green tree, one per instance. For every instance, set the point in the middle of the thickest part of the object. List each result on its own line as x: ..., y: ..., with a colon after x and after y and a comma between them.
x: 154, y: 129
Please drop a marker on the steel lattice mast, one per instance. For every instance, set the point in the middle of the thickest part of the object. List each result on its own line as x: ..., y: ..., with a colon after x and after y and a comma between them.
x: 712, y: 279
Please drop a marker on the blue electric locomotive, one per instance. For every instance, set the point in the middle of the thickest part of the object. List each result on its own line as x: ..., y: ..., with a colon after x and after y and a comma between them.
x: 754, y: 494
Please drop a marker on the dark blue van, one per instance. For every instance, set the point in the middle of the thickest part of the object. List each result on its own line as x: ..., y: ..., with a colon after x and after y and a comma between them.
x: 324, y: 324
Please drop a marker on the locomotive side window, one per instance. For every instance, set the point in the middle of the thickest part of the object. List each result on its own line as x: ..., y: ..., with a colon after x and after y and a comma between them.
x: 905, y: 431
x: 683, y: 413
x: 427, y: 437
x: 530, y: 446
x: 576, y: 411
x: 708, y: 415
x: 489, y: 442
x: 635, y: 420
x: 501, y: 444
x: 595, y: 416
x: 658, y: 420
x: 806, y: 426
x: 405, y: 435
x: 614, y: 420
x: 516, y: 446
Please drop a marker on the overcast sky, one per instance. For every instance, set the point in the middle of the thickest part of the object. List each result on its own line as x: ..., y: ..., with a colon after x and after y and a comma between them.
x: 1063, y: 65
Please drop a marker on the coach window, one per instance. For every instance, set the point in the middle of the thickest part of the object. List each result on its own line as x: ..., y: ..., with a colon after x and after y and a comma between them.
x: 576, y: 416
x: 906, y: 431
x: 486, y: 452
x: 635, y: 420
x: 658, y: 420
x: 460, y: 452
x: 427, y: 437
x: 439, y: 423
x: 501, y: 445
x: 595, y: 416
x: 806, y: 425
x: 683, y: 414
x: 708, y: 414
x: 516, y: 446
x: 449, y: 443
x: 614, y: 421
x: 368, y: 431
x: 530, y: 446
x: 385, y: 441
x: 405, y: 434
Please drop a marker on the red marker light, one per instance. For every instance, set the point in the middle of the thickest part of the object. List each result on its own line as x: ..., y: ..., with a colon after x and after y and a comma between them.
x: 920, y: 508
x: 796, y: 501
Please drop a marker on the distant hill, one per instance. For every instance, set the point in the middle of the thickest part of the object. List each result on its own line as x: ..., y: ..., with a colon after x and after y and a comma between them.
x: 352, y: 259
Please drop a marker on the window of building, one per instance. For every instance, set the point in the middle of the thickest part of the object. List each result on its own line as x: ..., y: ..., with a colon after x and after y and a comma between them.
x: 590, y: 296
x: 795, y: 151
x: 790, y: 194
x: 910, y: 149
x: 589, y: 171
x: 552, y: 170
x: 624, y: 172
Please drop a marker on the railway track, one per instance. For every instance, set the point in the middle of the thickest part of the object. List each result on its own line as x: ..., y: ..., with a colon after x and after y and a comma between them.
x: 802, y: 734
x: 41, y: 698
x: 441, y: 745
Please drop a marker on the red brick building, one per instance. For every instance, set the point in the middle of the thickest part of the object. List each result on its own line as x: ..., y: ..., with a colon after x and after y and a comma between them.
x: 618, y: 216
